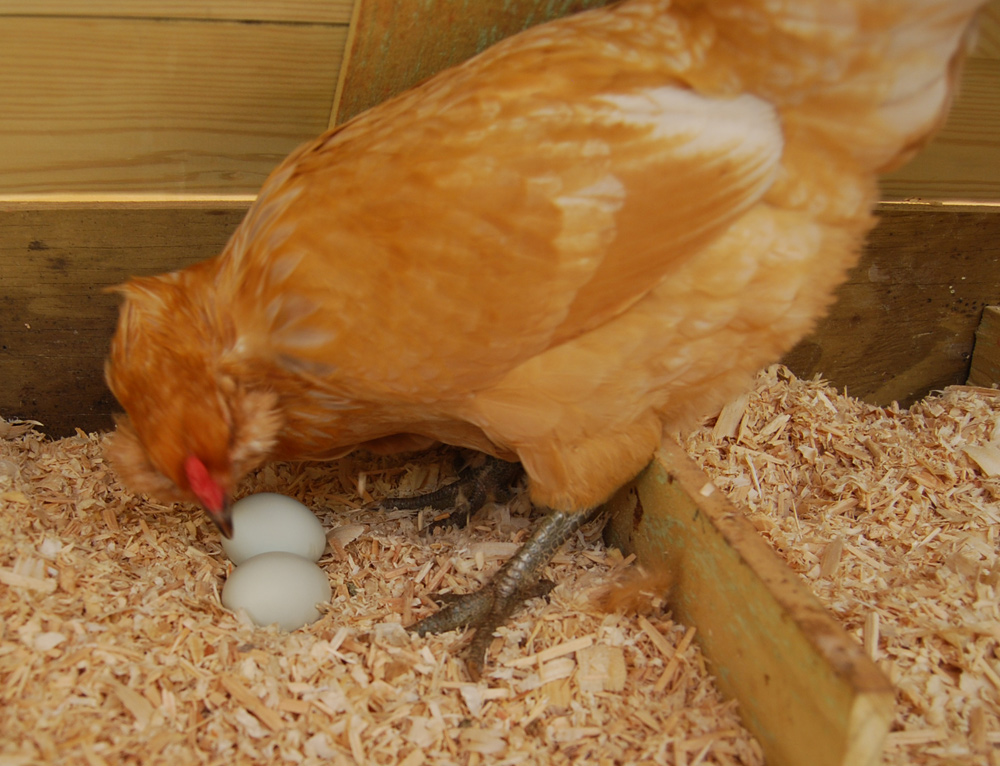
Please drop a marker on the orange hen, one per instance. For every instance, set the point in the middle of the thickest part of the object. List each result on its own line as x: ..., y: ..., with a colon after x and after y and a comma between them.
x: 594, y: 231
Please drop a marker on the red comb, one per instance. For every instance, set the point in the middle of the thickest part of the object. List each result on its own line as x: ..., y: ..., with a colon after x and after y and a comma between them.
x: 203, y: 485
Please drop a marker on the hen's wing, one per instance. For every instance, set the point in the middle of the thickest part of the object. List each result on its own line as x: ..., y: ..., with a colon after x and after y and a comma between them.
x: 512, y: 204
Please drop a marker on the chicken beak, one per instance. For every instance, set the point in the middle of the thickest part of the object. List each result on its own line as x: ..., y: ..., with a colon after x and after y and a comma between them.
x: 209, y: 492
x: 223, y: 519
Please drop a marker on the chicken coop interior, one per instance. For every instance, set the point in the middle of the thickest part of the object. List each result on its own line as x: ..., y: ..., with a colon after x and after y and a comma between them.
x: 823, y: 586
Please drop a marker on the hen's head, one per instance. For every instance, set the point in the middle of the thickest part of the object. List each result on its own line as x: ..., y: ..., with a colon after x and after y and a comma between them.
x: 192, y: 430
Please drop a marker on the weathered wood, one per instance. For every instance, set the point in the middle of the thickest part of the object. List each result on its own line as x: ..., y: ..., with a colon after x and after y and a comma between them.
x: 985, y: 370
x: 806, y: 690
x: 179, y: 96
x: 963, y: 160
x: 988, y: 42
x: 55, y: 320
x: 392, y: 49
x: 163, y: 105
x: 299, y: 11
x: 905, y: 320
x: 904, y: 323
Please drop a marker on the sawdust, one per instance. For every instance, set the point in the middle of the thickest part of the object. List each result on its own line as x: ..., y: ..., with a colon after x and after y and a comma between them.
x: 114, y: 648
x: 891, y: 517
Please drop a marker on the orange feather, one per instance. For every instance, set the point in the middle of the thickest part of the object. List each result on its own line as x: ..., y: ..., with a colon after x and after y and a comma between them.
x: 592, y: 232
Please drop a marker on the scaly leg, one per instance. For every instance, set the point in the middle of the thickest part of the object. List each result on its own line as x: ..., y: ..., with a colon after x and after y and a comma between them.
x: 459, y: 501
x: 516, y: 581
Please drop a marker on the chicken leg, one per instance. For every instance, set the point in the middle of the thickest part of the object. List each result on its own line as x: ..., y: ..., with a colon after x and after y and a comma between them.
x: 460, y: 500
x: 516, y: 581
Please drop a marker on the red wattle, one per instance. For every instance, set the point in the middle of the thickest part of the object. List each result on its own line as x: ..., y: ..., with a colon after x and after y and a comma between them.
x: 203, y: 485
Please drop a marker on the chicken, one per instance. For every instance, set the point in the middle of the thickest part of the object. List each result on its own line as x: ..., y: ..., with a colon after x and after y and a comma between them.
x: 587, y: 236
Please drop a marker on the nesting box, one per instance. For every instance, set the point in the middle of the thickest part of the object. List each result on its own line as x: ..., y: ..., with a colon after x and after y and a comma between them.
x: 135, y: 138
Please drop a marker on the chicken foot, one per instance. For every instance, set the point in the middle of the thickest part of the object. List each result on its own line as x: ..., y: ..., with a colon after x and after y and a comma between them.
x: 459, y: 501
x: 516, y: 581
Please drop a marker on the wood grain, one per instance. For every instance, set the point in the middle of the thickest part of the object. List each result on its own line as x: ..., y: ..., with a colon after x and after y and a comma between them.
x: 988, y: 40
x: 806, y: 689
x: 56, y: 321
x: 144, y: 113
x: 179, y: 96
x: 985, y: 369
x: 963, y: 160
x: 122, y: 105
x: 288, y: 11
x: 904, y: 322
x: 393, y: 49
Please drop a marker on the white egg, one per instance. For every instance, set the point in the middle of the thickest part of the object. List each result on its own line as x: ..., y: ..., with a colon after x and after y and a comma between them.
x: 277, y: 587
x: 271, y: 522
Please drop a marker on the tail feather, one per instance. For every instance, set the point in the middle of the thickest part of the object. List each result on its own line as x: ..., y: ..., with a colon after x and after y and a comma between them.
x: 876, y: 76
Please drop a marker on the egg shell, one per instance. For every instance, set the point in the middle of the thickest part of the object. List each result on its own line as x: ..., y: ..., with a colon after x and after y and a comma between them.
x: 277, y: 587
x: 268, y: 522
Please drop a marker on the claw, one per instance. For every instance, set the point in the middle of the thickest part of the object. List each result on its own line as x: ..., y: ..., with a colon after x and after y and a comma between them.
x: 516, y: 581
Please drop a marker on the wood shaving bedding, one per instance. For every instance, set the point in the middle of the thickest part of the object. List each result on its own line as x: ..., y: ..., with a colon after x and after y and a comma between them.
x: 891, y: 516
x: 114, y: 648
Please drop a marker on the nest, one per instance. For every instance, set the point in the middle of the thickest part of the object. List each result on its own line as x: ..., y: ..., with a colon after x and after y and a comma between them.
x: 114, y: 647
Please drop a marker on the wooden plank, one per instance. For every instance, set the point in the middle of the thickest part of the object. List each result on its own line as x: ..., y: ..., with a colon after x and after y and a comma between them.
x: 393, y: 50
x: 904, y: 323
x: 985, y: 369
x: 291, y: 11
x: 55, y: 321
x: 988, y: 42
x: 905, y: 320
x: 132, y: 105
x: 963, y: 160
x: 805, y: 688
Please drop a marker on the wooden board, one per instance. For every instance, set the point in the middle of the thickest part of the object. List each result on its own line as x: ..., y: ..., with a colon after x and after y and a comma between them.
x: 298, y: 11
x: 985, y: 370
x: 807, y: 691
x: 963, y: 160
x: 988, y: 40
x: 392, y: 50
x: 904, y: 324
x: 110, y: 104
x: 905, y: 320
x: 55, y: 320
x: 177, y: 96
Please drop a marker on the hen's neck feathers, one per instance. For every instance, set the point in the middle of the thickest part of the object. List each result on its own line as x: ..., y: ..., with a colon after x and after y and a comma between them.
x: 170, y: 331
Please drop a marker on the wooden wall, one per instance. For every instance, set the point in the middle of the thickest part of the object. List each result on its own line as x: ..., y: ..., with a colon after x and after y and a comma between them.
x: 114, y: 98
x: 116, y: 101
x: 392, y: 51
x: 133, y: 136
x: 905, y: 321
x: 963, y: 162
x: 113, y: 101
x: 55, y: 318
